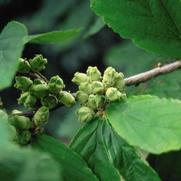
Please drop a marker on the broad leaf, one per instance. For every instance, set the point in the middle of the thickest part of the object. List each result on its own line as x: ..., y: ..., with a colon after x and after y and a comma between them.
x: 22, y: 164
x: 149, y: 122
x: 18, y: 164
x: 6, y: 133
x: 152, y: 24
x: 73, y: 166
x: 11, y: 45
x: 109, y: 155
x: 54, y: 36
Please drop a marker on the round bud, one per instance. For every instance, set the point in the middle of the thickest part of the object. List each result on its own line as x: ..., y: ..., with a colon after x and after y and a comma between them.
x: 81, y: 96
x: 95, y: 101
x: 56, y: 84
x: 41, y: 116
x: 119, y: 81
x: 85, y: 114
x: 86, y: 87
x: 66, y: 98
x: 23, y: 97
x: 24, y: 137
x: 39, y: 90
x: 109, y: 77
x: 38, y: 63
x: 23, y: 83
x: 80, y: 78
x: 49, y: 101
x: 30, y: 101
x: 97, y: 87
x: 93, y: 73
x: 20, y: 122
x: 113, y: 94
x: 24, y: 66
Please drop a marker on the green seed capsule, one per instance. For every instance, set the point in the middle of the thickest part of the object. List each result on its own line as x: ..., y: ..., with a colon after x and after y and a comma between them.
x: 86, y: 87
x: 93, y: 73
x: 49, y: 101
x: 66, y: 98
x: 95, y: 101
x: 41, y: 116
x: 97, y: 87
x: 24, y: 137
x: 80, y: 78
x: 20, y: 122
x: 113, y: 94
x: 109, y: 77
x: 82, y: 97
x: 24, y: 66
x: 23, y: 83
x: 39, y: 90
x: 38, y: 63
x: 56, y: 84
x: 27, y: 99
x: 119, y: 81
x: 85, y: 114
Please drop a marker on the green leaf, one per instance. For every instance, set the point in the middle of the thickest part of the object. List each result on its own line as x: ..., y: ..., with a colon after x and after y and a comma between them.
x: 6, y: 132
x: 25, y: 164
x: 154, y: 25
x: 54, y: 36
x: 108, y: 154
x: 73, y: 166
x: 11, y: 46
x: 148, y: 122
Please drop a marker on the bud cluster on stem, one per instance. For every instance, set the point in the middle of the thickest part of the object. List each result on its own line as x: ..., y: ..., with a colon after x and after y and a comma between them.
x: 96, y: 91
x: 38, y: 95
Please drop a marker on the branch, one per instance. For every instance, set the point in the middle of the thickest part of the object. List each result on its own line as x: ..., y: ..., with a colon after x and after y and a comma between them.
x: 133, y: 80
x: 145, y: 76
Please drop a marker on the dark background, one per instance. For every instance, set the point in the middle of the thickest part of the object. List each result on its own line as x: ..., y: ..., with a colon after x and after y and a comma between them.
x: 99, y: 50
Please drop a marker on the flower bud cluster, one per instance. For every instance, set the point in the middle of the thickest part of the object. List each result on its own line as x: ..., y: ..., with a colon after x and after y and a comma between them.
x: 37, y: 95
x: 96, y: 91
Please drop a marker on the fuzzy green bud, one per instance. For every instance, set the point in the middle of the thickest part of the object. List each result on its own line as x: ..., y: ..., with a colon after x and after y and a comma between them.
x: 113, y: 94
x: 82, y: 97
x: 95, y: 101
x: 49, y: 101
x: 23, y: 83
x: 80, y: 78
x: 27, y: 99
x: 66, y: 98
x: 109, y: 77
x: 39, y: 90
x: 56, y: 84
x: 20, y: 122
x: 85, y: 114
x: 97, y: 87
x: 41, y: 116
x: 38, y: 63
x: 86, y: 87
x: 24, y: 66
x: 119, y: 81
x: 24, y: 137
x: 93, y: 73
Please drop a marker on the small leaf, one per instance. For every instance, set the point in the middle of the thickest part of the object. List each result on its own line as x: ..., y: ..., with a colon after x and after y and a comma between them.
x: 11, y: 46
x: 54, y: 36
x: 74, y: 168
x: 109, y: 155
x: 154, y: 25
x: 149, y: 122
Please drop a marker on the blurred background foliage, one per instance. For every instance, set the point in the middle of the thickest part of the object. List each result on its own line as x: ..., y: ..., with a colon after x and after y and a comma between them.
x: 96, y: 45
